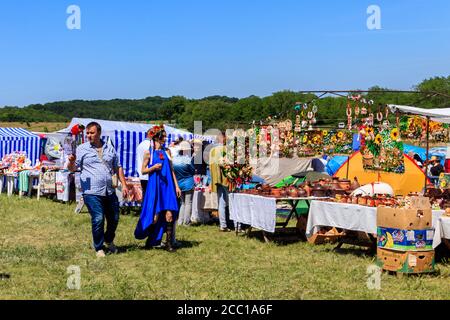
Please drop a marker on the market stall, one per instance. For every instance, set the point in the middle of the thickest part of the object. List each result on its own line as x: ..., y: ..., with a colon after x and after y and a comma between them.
x: 361, y: 218
x: 18, y: 173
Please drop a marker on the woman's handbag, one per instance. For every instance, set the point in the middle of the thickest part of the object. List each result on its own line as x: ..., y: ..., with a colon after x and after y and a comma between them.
x: 211, y: 201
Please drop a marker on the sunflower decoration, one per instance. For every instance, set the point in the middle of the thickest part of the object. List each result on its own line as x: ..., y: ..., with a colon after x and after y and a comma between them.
x: 442, y: 175
x: 340, y: 135
x: 378, y: 139
x: 333, y: 139
x: 369, y: 130
x: 395, y: 134
x: 443, y: 184
x: 324, y: 133
x: 305, y: 139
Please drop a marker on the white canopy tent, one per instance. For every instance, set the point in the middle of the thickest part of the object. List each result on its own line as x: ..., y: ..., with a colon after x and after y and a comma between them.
x: 439, y: 115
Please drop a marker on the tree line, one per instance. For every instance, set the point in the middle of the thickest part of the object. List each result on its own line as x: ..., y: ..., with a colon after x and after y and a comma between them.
x: 220, y: 111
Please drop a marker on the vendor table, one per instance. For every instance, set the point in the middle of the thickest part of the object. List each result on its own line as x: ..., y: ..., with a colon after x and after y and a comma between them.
x: 442, y: 230
x: 2, y: 177
x: 10, y: 183
x: 348, y: 217
x: 34, y: 175
x: 260, y: 212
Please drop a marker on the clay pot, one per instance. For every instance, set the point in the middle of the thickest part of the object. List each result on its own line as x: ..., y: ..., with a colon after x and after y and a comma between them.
x: 335, y: 185
x: 283, y: 193
x: 302, y: 192
x: 308, y: 190
x: 276, y: 192
x: 355, y: 184
x: 368, y: 160
x: 362, y: 201
x: 345, y: 184
x: 371, y: 202
x: 319, y: 192
x: 355, y: 200
x: 293, y: 192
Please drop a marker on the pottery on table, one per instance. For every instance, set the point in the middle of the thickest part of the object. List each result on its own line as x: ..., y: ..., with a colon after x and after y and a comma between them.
x: 318, y: 192
x: 362, y: 201
x: 355, y: 184
x: 293, y: 193
x: 345, y: 184
x: 301, y: 192
x: 276, y: 192
x: 308, y: 190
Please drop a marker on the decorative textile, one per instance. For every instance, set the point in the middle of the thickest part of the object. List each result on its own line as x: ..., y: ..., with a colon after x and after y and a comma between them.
x: 62, y: 186
x: 48, y: 183
x: 24, y: 180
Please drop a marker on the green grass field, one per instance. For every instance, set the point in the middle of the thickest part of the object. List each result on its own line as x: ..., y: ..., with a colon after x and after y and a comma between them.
x: 40, y: 240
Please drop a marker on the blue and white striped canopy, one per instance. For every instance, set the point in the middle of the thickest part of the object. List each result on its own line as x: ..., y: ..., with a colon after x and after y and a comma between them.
x: 126, y: 137
x: 17, y: 139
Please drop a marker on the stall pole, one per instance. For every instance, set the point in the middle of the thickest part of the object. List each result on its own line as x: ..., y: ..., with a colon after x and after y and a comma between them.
x: 348, y: 166
x: 428, y: 151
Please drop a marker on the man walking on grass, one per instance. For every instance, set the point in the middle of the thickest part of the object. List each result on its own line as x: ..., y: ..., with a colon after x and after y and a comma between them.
x: 98, y: 162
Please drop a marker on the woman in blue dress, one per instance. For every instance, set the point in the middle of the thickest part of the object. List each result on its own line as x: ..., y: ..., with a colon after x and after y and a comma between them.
x: 160, y: 207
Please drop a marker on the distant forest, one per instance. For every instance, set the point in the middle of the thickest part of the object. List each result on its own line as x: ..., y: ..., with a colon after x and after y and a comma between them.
x: 220, y: 111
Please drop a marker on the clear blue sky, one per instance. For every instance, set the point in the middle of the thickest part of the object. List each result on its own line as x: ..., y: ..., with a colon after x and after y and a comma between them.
x: 196, y: 48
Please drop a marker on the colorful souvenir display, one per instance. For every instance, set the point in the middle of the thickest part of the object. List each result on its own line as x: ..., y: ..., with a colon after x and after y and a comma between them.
x: 415, y: 128
x: 382, y: 149
x: 16, y: 162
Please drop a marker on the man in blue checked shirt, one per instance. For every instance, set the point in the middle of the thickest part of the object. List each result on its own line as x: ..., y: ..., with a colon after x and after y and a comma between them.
x: 98, y: 162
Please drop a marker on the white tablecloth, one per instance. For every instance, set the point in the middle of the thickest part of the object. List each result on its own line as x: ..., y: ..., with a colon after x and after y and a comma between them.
x: 350, y: 217
x: 258, y: 212
x: 442, y: 230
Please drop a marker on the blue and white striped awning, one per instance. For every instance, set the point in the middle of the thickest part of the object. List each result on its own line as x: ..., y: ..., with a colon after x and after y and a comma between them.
x: 17, y: 139
x: 15, y: 133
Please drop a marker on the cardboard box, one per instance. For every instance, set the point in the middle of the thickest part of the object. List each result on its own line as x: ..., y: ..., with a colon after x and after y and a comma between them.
x: 405, y: 219
x: 331, y: 236
x: 405, y: 240
x: 406, y: 262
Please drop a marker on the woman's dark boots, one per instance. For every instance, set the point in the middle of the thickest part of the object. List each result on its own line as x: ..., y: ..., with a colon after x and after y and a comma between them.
x: 170, y: 247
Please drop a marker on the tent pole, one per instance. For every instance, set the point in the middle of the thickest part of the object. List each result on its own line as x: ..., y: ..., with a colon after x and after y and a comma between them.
x: 428, y: 151
x: 348, y: 166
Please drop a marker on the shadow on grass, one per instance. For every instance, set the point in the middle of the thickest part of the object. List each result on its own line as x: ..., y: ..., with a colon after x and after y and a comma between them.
x: 181, y: 244
x: 354, y: 251
x: 280, y: 237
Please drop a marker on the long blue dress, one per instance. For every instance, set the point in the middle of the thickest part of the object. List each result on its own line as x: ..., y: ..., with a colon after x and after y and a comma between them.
x: 160, y: 197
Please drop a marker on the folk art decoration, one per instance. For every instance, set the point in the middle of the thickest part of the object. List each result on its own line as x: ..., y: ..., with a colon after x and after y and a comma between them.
x: 382, y: 149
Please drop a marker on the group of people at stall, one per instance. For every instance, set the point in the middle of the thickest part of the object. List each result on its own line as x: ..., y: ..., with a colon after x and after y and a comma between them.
x: 168, y: 178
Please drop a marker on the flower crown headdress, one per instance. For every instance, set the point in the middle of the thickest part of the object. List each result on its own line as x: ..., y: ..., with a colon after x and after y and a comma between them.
x: 155, y: 130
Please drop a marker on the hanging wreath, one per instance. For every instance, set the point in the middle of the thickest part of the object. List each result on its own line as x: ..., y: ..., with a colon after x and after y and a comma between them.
x: 379, y: 116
